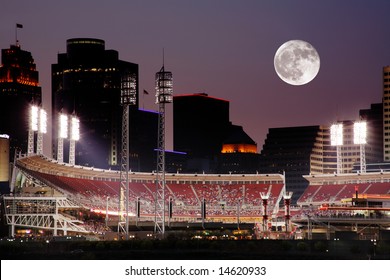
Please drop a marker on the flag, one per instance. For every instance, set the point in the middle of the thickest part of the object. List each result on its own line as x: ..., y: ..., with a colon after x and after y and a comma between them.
x: 18, y: 25
x: 145, y: 92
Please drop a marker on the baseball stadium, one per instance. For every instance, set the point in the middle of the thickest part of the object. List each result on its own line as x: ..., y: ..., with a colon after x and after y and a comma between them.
x: 53, y: 200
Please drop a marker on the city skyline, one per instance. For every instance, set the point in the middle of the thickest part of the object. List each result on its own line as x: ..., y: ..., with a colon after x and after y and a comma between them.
x: 225, y: 49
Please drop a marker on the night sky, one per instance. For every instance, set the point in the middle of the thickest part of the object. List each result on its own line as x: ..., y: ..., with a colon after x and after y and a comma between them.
x: 224, y: 48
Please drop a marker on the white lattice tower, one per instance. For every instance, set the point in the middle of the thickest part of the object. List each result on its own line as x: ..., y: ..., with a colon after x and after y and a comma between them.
x: 164, y: 93
x: 128, y: 98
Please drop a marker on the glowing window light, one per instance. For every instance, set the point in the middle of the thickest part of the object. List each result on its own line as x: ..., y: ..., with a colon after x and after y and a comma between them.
x: 42, y: 121
x: 336, y: 134
x: 34, y: 118
x: 75, y: 129
x: 360, y: 132
x: 63, y: 126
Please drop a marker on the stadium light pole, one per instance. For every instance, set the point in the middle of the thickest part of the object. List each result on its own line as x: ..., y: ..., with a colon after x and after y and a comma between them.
x: 360, y: 138
x: 336, y: 139
x: 128, y: 98
x: 62, y: 134
x: 164, y: 92
x: 74, y: 136
x: 32, y: 128
x: 42, y: 129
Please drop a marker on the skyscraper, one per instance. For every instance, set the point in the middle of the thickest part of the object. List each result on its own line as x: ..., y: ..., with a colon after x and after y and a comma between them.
x: 288, y: 149
x: 86, y: 81
x: 238, y: 153
x: 19, y: 87
x: 386, y: 113
x: 200, y: 125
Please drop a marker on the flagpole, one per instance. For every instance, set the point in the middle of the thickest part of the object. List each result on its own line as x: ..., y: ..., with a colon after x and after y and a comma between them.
x: 18, y: 25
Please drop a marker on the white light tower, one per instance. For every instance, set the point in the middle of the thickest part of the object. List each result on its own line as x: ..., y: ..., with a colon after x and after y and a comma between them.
x: 360, y: 138
x: 74, y: 136
x: 128, y: 98
x: 63, y: 134
x: 42, y: 129
x: 336, y: 139
x: 164, y: 91
x: 34, y: 115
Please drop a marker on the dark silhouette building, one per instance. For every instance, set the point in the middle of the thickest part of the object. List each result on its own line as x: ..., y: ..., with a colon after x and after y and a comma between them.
x: 19, y: 88
x: 239, y: 153
x: 200, y: 125
x: 288, y: 150
x: 86, y: 81
x: 212, y: 144
x: 374, y: 118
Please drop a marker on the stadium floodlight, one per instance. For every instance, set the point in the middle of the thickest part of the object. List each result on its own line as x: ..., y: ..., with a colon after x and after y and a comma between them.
x: 360, y: 138
x: 42, y: 121
x: 34, y: 118
x: 63, y: 133
x: 336, y: 134
x: 360, y: 133
x: 74, y: 136
x: 42, y: 129
x: 336, y: 139
x: 75, y: 129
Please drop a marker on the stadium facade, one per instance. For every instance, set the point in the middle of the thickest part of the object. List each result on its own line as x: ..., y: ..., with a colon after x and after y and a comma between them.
x: 51, y: 196
x: 51, y: 199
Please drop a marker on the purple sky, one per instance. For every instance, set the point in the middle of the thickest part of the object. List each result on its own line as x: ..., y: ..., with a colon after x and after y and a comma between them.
x: 224, y: 48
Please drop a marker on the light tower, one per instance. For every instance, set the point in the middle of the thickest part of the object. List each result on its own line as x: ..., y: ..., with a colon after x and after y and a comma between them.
x: 74, y: 136
x: 164, y: 91
x: 360, y: 138
x: 42, y: 129
x: 128, y: 98
x: 62, y: 134
x: 34, y: 111
x: 336, y: 139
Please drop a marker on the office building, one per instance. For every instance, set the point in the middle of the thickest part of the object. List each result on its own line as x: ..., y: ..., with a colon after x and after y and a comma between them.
x: 200, y: 125
x: 386, y: 113
x: 288, y: 150
x: 19, y: 88
x: 86, y: 81
x: 239, y: 153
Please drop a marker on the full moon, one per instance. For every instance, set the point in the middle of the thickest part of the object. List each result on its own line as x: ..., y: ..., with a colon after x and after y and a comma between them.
x: 297, y: 62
